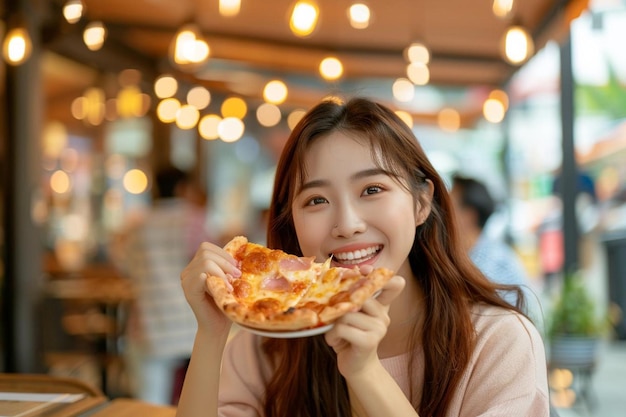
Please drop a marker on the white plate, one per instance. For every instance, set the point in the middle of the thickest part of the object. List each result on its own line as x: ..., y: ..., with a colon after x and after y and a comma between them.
x: 289, y: 334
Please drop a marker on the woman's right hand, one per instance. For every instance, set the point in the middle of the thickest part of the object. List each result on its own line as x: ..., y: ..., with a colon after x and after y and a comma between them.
x: 209, y: 259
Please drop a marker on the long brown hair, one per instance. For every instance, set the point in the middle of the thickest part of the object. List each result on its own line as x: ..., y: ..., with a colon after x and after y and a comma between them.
x: 306, y: 382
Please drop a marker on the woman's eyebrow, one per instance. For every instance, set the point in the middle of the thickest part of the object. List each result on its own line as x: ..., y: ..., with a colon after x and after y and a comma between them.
x: 313, y: 184
x: 356, y: 176
x: 368, y: 173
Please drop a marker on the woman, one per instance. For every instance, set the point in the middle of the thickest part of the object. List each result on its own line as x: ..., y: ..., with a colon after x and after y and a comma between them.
x: 353, y: 182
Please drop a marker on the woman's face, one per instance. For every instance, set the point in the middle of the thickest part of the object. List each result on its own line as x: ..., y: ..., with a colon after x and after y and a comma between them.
x: 352, y: 210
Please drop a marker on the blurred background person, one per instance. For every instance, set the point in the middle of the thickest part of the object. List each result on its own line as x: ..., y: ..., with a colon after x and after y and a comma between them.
x: 474, y: 206
x: 161, y: 326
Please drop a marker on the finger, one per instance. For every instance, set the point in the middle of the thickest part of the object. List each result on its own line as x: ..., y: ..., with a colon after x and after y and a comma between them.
x: 373, y: 308
x: 215, y: 271
x: 335, y: 341
x: 343, y: 333
x: 391, y: 290
x: 210, y: 249
x: 217, y: 265
x: 372, y: 316
x: 366, y: 269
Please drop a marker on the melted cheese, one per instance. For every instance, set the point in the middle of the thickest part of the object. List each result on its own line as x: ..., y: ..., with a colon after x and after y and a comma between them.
x: 318, y: 284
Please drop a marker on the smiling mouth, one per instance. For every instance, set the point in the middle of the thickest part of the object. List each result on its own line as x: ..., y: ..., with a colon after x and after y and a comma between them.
x: 357, y: 256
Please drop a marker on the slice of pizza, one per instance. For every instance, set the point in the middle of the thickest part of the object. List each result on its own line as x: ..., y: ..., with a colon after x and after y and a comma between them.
x: 278, y: 291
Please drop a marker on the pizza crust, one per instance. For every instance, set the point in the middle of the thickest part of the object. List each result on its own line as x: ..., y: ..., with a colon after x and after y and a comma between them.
x: 292, y: 320
x: 374, y: 282
x: 235, y: 244
x: 300, y: 316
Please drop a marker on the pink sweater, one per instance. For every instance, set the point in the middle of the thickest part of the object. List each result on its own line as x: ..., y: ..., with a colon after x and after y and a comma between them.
x: 506, y: 376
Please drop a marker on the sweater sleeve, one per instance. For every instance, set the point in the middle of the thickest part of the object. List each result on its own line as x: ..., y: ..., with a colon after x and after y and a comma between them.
x: 507, y: 375
x: 243, y: 378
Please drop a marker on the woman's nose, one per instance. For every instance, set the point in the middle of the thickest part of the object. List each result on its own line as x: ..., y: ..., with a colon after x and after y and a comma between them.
x: 348, y: 222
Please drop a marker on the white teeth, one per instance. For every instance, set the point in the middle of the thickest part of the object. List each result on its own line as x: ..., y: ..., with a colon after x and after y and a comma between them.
x: 359, y: 255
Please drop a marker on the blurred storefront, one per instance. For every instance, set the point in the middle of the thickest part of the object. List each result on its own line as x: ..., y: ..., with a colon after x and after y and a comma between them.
x: 535, y: 157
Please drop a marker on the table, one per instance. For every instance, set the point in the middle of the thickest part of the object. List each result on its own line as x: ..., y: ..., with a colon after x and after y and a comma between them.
x: 52, y: 396
x: 47, y: 395
x: 85, y: 407
x: 125, y: 407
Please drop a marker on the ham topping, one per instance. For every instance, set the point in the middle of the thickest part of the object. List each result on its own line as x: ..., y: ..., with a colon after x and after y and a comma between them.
x: 276, y: 283
x: 294, y: 263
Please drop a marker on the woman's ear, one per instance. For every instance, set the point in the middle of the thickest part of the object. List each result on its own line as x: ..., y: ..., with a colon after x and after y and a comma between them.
x: 424, y: 204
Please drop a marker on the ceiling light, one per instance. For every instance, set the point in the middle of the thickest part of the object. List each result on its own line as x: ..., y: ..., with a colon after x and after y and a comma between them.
x: 275, y: 92
x: 295, y: 117
x: 129, y: 102
x: 493, y: 110
x: 94, y: 35
x: 502, y: 8
x: 418, y: 73
x: 94, y: 105
x: 403, y: 90
x: 187, y: 117
x: 418, y: 52
x: 55, y: 139
x: 501, y: 96
x: 78, y: 108
x: 135, y: 181
x: 449, y: 119
x: 167, y: 109
x: 199, y: 97
x: 208, y: 126
x: 268, y: 114
x: 359, y: 15
x: 229, y: 8
x: 518, y: 45
x: 73, y: 10
x: 304, y: 17
x: 331, y: 68
x: 17, y: 45
x: 165, y: 86
x: 188, y: 49
x: 234, y: 107
x: 60, y: 182
x: 230, y: 129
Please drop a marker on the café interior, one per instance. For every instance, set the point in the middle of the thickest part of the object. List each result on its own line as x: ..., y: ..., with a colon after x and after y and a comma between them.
x: 97, y: 94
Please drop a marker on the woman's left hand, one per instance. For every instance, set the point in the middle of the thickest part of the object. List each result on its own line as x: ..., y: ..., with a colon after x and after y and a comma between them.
x: 356, y: 336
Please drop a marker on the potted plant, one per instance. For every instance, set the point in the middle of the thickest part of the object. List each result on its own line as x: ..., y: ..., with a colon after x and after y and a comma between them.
x: 574, y: 326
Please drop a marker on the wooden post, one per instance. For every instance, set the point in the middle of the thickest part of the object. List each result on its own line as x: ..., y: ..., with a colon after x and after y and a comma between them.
x: 22, y: 275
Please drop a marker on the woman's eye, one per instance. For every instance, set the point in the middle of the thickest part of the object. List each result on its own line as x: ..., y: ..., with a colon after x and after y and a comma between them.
x: 315, y: 201
x: 372, y: 189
